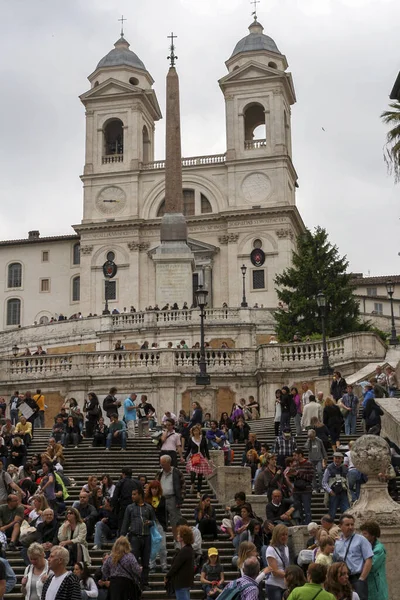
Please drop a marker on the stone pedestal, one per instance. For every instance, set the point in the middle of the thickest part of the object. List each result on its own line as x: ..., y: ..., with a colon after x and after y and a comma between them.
x: 226, y: 481
x: 174, y: 268
x: 370, y: 455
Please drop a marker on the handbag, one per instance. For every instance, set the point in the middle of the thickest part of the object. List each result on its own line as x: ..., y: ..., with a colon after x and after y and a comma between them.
x: 156, y: 539
x: 196, y: 459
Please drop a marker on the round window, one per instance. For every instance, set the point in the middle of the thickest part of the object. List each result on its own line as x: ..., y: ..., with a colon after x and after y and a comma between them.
x: 257, y: 243
x: 110, y: 256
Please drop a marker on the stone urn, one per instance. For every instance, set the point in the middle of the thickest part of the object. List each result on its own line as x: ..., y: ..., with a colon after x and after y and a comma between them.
x: 371, y: 455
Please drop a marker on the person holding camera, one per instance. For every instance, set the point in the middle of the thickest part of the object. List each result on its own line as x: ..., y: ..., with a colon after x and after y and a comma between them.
x: 334, y: 483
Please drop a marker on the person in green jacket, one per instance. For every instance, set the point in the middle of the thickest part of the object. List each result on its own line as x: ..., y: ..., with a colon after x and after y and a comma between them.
x: 377, y: 582
x: 313, y: 590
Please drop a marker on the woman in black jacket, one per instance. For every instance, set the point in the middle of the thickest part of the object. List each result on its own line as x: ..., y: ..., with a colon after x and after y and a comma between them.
x: 372, y: 414
x: 197, y: 457
x: 93, y: 413
x: 154, y: 497
x: 241, y: 431
x: 181, y: 573
x: 333, y: 420
x: 197, y: 415
x: 287, y: 404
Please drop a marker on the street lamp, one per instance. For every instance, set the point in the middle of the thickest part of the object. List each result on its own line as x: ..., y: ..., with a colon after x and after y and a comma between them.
x: 393, y: 335
x: 201, y: 298
x: 243, y: 268
x: 15, y: 350
x: 326, y: 368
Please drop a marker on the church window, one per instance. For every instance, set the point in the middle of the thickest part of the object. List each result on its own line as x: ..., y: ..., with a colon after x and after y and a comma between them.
x: 189, y: 204
x: 114, y: 137
x: 273, y: 65
x: 134, y: 81
x: 76, y: 289
x: 259, y: 279
x: 111, y: 256
x: 205, y: 205
x: 257, y: 243
x: 45, y: 285
x: 254, y: 125
x: 76, y: 254
x: 45, y: 256
x: 96, y: 83
x: 15, y: 275
x: 146, y: 145
x: 14, y: 311
x: 43, y: 320
x: 110, y: 289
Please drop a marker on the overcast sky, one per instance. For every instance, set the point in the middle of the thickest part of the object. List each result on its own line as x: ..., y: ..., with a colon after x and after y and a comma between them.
x: 344, y: 56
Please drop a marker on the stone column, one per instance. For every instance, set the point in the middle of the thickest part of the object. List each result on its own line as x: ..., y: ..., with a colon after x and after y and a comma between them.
x: 370, y: 455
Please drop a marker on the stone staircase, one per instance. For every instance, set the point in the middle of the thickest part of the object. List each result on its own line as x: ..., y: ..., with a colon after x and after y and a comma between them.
x: 142, y: 456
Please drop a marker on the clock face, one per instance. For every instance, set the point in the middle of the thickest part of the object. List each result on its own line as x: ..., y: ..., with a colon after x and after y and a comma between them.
x: 111, y: 200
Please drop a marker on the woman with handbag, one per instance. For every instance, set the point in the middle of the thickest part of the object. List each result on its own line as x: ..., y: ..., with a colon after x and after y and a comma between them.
x: 155, y: 498
x: 197, y: 457
x: 205, y: 517
x: 35, y: 573
x: 123, y: 571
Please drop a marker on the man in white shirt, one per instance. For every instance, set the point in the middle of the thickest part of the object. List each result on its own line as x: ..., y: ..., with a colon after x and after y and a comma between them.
x: 168, y: 415
x: 63, y: 585
x: 306, y: 393
x: 171, y: 443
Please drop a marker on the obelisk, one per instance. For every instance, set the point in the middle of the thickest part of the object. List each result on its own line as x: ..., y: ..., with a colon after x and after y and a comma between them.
x: 173, y: 258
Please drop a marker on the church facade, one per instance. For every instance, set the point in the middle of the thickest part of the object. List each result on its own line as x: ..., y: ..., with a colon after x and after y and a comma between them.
x: 233, y: 202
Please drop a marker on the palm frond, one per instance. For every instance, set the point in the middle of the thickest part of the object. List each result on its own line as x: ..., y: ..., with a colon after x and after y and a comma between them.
x: 391, y: 152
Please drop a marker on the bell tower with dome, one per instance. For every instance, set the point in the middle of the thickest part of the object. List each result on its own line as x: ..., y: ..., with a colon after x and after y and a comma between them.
x: 258, y: 95
x: 121, y: 111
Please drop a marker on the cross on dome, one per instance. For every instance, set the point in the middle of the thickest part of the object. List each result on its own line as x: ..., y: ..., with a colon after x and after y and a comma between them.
x: 122, y: 19
x: 254, y: 13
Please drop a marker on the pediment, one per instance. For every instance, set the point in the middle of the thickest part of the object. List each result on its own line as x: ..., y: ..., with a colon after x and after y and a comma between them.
x: 197, y: 247
x: 250, y: 70
x: 111, y: 87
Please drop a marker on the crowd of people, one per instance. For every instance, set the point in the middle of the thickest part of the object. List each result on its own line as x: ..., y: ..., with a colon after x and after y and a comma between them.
x: 134, y: 512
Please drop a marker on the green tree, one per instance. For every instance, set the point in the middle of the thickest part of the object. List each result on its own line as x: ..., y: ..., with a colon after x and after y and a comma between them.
x: 317, y: 267
x: 392, y: 146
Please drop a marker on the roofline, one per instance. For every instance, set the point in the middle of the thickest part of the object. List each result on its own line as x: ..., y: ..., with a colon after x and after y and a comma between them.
x: 40, y: 240
x: 395, y: 93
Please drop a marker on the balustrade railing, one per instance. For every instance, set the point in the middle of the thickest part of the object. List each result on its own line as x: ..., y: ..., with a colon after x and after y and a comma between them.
x: 113, y: 158
x: 191, y: 161
x: 254, y: 144
x: 310, y: 351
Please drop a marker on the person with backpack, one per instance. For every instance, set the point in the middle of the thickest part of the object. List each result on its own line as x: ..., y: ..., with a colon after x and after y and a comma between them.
x: 245, y: 587
x: 317, y: 456
x: 335, y: 485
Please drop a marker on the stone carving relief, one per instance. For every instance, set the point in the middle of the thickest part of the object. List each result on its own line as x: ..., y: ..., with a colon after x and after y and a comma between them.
x: 284, y: 233
x: 256, y: 188
x: 231, y: 238
x: 86, y: 250
x: 138, y: 246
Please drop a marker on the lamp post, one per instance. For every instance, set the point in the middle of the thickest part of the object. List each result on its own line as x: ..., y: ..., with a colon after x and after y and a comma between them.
x: 326, y: 369
x: 393, y: 335
x: 15, y: 350
x: 106, y: 310
x: 202, y: 378
x: 243, y: 268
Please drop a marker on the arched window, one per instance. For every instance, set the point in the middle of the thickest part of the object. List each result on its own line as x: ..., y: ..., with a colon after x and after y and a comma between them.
x: 254, y: 123
x: 114, y: 137
x: 76, y: 254
x: 189, y: 204
x: 13, y: 311
x: 76, y: 289
x: 14, y: 275
x: 43, y: 320
x: 205, y: 205
x: 146, y: 145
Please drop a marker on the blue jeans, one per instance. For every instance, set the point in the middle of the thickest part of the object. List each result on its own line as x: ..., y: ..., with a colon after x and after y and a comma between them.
x: 182, y: 594
x: 274, y: 592
x: 14, y: 416
x: 354, y: 481
x: 120, y: 435
x: 350, y: 424
x: 336, y: 501
x: 304, y: 501
x: 101, y: 531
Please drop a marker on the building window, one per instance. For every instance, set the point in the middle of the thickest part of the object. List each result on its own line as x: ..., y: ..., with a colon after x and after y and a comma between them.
x: 259, y: 279
x: 15, y: 275
x: 45, y: 285
x: 76, y: 254
x: 189, y: 204
x: 114, y: 137
x: 110, y: 288
x: 45, y: 256
x: 43, y: 320
x: 372, y: 291
x: 378, y: 308
x: 205, y: 205
x: 13, y: 311
x: 76, y: 289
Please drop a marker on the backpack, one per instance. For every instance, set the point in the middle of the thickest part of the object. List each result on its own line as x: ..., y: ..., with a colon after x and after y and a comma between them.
x: 234, y: 592
x: 11, y: 578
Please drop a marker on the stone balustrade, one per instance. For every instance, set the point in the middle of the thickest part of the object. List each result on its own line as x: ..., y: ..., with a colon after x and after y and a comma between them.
x: 192, y: 161
x: 254, y: 144
x: 114, y: 158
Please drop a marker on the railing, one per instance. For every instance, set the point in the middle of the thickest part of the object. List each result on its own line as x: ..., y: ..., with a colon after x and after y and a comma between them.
x: 192, y: 161
x: 310, y: 351
x: 228, y: 358
x: 114, y: 158
x: 126, y: 319
x: 254, y: 144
